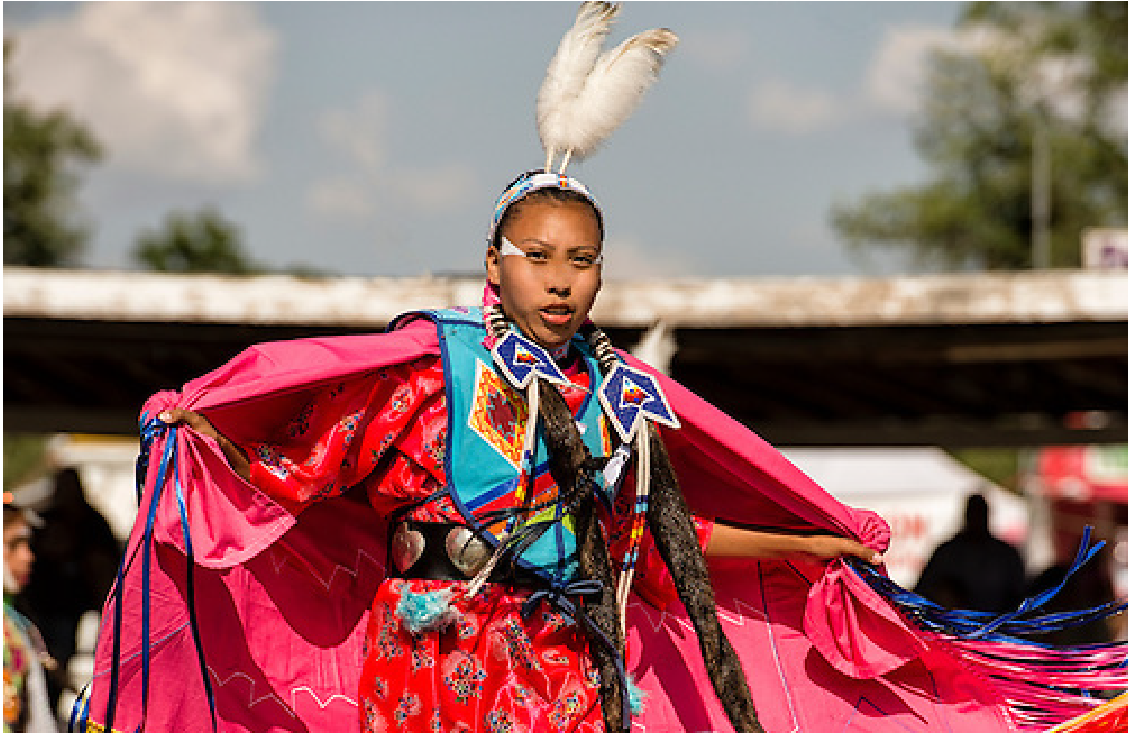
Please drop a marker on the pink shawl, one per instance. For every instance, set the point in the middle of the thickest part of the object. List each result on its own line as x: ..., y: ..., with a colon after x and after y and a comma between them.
x: 281, y: 599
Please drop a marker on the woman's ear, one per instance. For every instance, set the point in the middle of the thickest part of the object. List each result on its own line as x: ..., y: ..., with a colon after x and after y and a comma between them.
x: 493, y: 266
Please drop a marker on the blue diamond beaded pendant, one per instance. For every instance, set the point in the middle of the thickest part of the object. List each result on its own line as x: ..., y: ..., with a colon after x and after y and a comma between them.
x: 628, y: 395
x: 520, y: 359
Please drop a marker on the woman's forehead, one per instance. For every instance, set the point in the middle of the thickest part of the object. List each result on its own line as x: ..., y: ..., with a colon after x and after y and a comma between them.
x: 535, y: 212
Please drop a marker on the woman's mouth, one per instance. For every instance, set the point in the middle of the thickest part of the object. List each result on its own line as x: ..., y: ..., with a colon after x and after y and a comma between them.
x: 556, y: 315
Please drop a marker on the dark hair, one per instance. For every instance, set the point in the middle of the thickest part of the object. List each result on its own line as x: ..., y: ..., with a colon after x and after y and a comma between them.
x: 546, y: 195
x: 14, y: 514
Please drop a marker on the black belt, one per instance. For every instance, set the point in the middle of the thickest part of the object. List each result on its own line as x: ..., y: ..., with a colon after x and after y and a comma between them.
x: 447, y: 551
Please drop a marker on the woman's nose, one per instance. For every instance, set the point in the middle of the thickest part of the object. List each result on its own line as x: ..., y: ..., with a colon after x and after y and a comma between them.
x: 558, y: 280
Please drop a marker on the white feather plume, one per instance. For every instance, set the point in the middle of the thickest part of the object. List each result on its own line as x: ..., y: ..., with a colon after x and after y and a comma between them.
x: 586, y: 96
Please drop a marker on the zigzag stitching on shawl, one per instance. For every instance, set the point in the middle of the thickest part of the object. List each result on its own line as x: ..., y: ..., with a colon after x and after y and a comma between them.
x: 251, y: 699
x: 736, y: 617
x: 877, y: 709
x: 740, y: 610
x: 278, y: 560
x: 327, y: 701
x: 650, y: 613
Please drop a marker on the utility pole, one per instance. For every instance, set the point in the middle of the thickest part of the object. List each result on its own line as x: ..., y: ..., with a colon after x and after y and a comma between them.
x: 1041, y: 191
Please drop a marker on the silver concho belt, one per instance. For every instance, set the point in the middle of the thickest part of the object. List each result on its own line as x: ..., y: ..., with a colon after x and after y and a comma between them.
x: 438, y: 550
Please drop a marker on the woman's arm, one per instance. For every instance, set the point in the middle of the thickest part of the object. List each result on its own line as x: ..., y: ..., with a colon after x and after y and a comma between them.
x: 236, y: 456
x: 730, y: 541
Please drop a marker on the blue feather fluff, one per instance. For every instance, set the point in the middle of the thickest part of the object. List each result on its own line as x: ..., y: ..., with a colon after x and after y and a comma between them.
x: 429, y: 611
x: 637, y: 696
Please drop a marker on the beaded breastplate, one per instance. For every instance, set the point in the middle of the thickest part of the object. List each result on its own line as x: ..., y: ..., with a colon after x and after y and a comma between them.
x: 484, y: 461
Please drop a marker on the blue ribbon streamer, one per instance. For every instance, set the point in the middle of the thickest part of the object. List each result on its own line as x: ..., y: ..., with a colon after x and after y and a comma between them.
x: 80, y: 711
x: 150, y: 431
x: 189, y: 591
x: 1008, y: 627
x: 557, y: 596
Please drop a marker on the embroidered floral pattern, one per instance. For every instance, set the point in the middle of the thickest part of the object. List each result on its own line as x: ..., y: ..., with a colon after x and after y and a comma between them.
x: 521, y: 695
x: 380, y: 688
x: 421, y: 658
x: 300, y: 424
x: 467, y: 629
x: 552, y: 620
x: 408, y: 705
x: 517, y: 645
x: 498, y: 721
x: 451, y: 681
x: 554, y: 657
x: 465, y: 677
x: 270, y: 460
x: 565, y: 710
x: 387, y: 645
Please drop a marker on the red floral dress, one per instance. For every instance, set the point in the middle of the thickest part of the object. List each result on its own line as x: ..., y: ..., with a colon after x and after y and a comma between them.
x: 492, y: 670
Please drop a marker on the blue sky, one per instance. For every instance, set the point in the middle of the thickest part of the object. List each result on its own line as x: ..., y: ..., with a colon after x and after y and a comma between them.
x: 371, y: 138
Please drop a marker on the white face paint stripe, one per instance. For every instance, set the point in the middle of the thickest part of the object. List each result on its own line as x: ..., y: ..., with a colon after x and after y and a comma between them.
x: 508, y: 248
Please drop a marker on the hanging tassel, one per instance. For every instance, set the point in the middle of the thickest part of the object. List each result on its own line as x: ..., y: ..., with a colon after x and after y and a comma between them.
x: 642, y: 504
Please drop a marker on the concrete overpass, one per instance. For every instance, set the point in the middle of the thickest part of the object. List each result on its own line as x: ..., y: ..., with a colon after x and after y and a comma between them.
x: 957, y: 360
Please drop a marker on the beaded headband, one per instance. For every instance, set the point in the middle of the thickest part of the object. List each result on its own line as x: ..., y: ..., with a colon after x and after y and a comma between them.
x: 529, y: 182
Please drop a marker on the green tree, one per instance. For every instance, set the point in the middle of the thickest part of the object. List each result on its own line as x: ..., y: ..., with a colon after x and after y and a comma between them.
x: 1049, y: 78
x: 199, y: 242
x: 25, y: 458
x: 42, y: 152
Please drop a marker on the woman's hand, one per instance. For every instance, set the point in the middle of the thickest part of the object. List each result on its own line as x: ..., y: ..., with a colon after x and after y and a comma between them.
x: 192, y: 419
x: 236, y: 456
x: 829, y: 547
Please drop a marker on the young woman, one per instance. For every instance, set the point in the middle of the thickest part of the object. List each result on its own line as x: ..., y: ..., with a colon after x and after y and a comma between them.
x: 492, y: 664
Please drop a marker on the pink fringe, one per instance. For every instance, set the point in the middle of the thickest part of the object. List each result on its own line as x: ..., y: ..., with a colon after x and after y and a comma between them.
x: 1044, y: 686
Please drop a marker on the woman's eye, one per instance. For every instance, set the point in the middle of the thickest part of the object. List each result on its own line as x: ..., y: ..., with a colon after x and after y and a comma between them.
x: 535, y: 255
x: 584, y: 260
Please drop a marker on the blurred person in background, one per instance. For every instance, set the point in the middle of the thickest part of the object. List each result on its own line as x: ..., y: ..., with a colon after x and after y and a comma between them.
x: 26, y: 707
x: 974, y: 569
x: 76, y: 563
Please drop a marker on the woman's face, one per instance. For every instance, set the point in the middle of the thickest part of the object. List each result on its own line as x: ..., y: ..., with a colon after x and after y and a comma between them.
x: 550, y: 290
x: 18, y: 557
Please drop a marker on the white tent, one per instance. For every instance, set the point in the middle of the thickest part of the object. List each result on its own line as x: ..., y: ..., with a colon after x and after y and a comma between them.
x: 921, y: 492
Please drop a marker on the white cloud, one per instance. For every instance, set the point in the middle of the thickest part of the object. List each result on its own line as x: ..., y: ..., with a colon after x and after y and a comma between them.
x: 897, y: 74
x: 342, y: 197
x: 174, y: 89
x: 358, y: 134
x: 893, y: 83
x: 436, y: 189
x: 779, y: 106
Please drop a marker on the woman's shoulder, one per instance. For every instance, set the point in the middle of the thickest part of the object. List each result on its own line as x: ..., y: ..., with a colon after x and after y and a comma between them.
x: 278, y: 366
